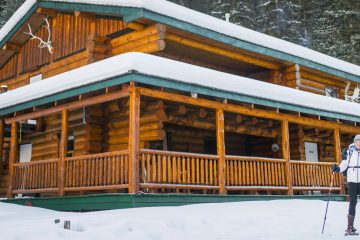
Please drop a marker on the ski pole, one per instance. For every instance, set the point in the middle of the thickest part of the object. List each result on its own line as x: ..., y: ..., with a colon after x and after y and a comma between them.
x: 327, y: 204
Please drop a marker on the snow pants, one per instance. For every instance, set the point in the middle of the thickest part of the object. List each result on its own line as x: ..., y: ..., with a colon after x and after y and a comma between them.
x: 354, y: 191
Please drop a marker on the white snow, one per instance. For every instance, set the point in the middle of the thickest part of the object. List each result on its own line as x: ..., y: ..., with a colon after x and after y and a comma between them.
x: 278, y: 219
x: 190, y: 16
x: 178, y: 72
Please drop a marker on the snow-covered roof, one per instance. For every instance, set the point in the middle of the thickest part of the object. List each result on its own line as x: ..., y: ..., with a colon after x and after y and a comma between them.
x: 175, y: 11
x: 178, y: 73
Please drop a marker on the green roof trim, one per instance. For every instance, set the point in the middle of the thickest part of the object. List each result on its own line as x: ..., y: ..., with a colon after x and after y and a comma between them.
x: 171, y: 84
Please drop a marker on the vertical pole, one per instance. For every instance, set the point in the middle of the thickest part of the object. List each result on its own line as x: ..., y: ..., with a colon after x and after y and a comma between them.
x: 2, y: 129
x: 134, y: 125
x: 220, y: 142
x: 63, y: 150
x: 337, y: 147
x: 12, y: 156
x: 285, y: 140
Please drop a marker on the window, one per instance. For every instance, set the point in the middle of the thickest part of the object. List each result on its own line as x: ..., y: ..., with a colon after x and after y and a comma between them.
x: 25, y: 152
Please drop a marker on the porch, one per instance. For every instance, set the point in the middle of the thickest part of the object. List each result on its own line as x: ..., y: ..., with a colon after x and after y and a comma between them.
x: 132, y: 132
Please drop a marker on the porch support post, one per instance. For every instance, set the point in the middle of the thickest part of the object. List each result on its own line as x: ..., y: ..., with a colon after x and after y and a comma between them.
x: 285, y: 140
x: 220, y: 142
x: 134, y: 125
x: 12, y: 156
x: 337, y: 147
x: 63, y: 150
x: 2, y: 129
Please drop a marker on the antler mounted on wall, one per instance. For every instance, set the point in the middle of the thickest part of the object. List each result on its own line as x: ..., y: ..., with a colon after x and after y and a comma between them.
x: 42, y: 43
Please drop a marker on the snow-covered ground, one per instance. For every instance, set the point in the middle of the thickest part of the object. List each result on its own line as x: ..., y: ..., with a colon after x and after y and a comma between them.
x: 280, y: 219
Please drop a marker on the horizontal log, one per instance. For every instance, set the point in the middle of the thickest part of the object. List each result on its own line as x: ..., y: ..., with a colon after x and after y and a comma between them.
x: 220, y: 51
x: 70, y: 106
x: 144, y: 136
x: 157, y: 29
x: 146, y: 47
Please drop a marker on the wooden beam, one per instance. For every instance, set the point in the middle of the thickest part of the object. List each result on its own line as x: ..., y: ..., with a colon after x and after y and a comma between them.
x: 47, y: 12
x: 70, y: 106
x: 220, y: 142
x: 285, y: 140
x: 337, y: 146
x: 63, y: 150
x: 221, y: 51
x: 12, y: 156
x: 248, y: 111
x: 134, y: 126
x: 2, y: 133
x: 11, y: 47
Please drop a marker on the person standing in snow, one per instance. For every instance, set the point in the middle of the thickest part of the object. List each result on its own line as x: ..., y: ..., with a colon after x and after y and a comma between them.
x: 351, y: 164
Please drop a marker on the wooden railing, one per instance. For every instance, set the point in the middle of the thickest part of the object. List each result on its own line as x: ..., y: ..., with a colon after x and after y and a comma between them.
x: 313, y: 176
x: 178, y: 170
x: 36, y: 176
x: 170, y: 170
x: 97, y: 171
x: 243, y: 173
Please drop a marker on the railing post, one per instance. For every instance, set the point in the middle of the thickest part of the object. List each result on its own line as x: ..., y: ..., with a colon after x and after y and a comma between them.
x: 63, y: 150
x: 220, y: 142
x: 134, y: 125
x: 337, y: 147
x: 285, y: 140
x: 2, y: 129
x: 12, y: 156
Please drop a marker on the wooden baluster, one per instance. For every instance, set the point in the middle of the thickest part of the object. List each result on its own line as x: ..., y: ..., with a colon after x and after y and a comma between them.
x: 188, y: 169
x: 169, y: 169
x: 153, y: 175
x: 206, y: 180
x: 148, y: 168
x: 184, y: 171
x: 179, y: 170
x: 134, y: 122
x: 143, y: 168
x: 197, y: 170
x: 192, y: 170
x: 285, y: 140
x: 163, y: 167
x: 159, y: 171
x: 63, y: 150
x: 230, y: 172
x: 12, y: 156
x: 174, y: 169
x: 220, y: 142
x: 201, y: 160
x: 211, y: 175
x: 337, y: 146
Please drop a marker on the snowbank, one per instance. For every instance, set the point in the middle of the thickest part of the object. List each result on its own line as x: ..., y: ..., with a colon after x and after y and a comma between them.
x: 280, y: 219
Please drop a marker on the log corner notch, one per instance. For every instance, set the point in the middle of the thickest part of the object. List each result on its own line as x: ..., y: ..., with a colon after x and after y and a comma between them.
x: 148, y: 39
x: 134, y: 128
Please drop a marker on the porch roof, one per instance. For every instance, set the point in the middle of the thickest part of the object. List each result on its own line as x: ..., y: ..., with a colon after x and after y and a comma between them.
x: 157, y: 71
x: 195, y: 22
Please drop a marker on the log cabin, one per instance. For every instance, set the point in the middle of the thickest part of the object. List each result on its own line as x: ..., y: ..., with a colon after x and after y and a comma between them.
x: 127, y: 96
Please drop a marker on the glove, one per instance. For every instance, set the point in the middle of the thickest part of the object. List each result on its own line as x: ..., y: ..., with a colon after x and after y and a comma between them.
x: 335, y: 168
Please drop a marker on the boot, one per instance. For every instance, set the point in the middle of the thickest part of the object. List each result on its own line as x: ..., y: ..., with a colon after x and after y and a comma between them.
x: 350, y: 228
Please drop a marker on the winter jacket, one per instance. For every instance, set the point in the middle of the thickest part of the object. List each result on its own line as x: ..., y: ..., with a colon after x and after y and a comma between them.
x: 352, y: 160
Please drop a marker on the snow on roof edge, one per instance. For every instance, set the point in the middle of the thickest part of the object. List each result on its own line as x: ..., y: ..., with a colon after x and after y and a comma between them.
x: 196, y: 18
x: 178, y: 72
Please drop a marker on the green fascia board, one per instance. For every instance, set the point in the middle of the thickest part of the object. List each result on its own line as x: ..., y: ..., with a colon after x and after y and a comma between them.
x: 120, y: 201
x: 128, y: 13
x: 238, y: 97
x: 19, y: 24
x: 168, y: 83
x: 69, y: 93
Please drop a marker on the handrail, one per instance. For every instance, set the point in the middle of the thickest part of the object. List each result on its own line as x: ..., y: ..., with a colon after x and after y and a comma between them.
x: 256, y: 159
x: 105, y: 154
x: 180, y: 154
x: 311, y: 163
x: 35, y: 162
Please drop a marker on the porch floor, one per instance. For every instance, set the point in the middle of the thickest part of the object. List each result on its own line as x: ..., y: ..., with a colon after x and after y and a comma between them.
x: 118, y: 201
